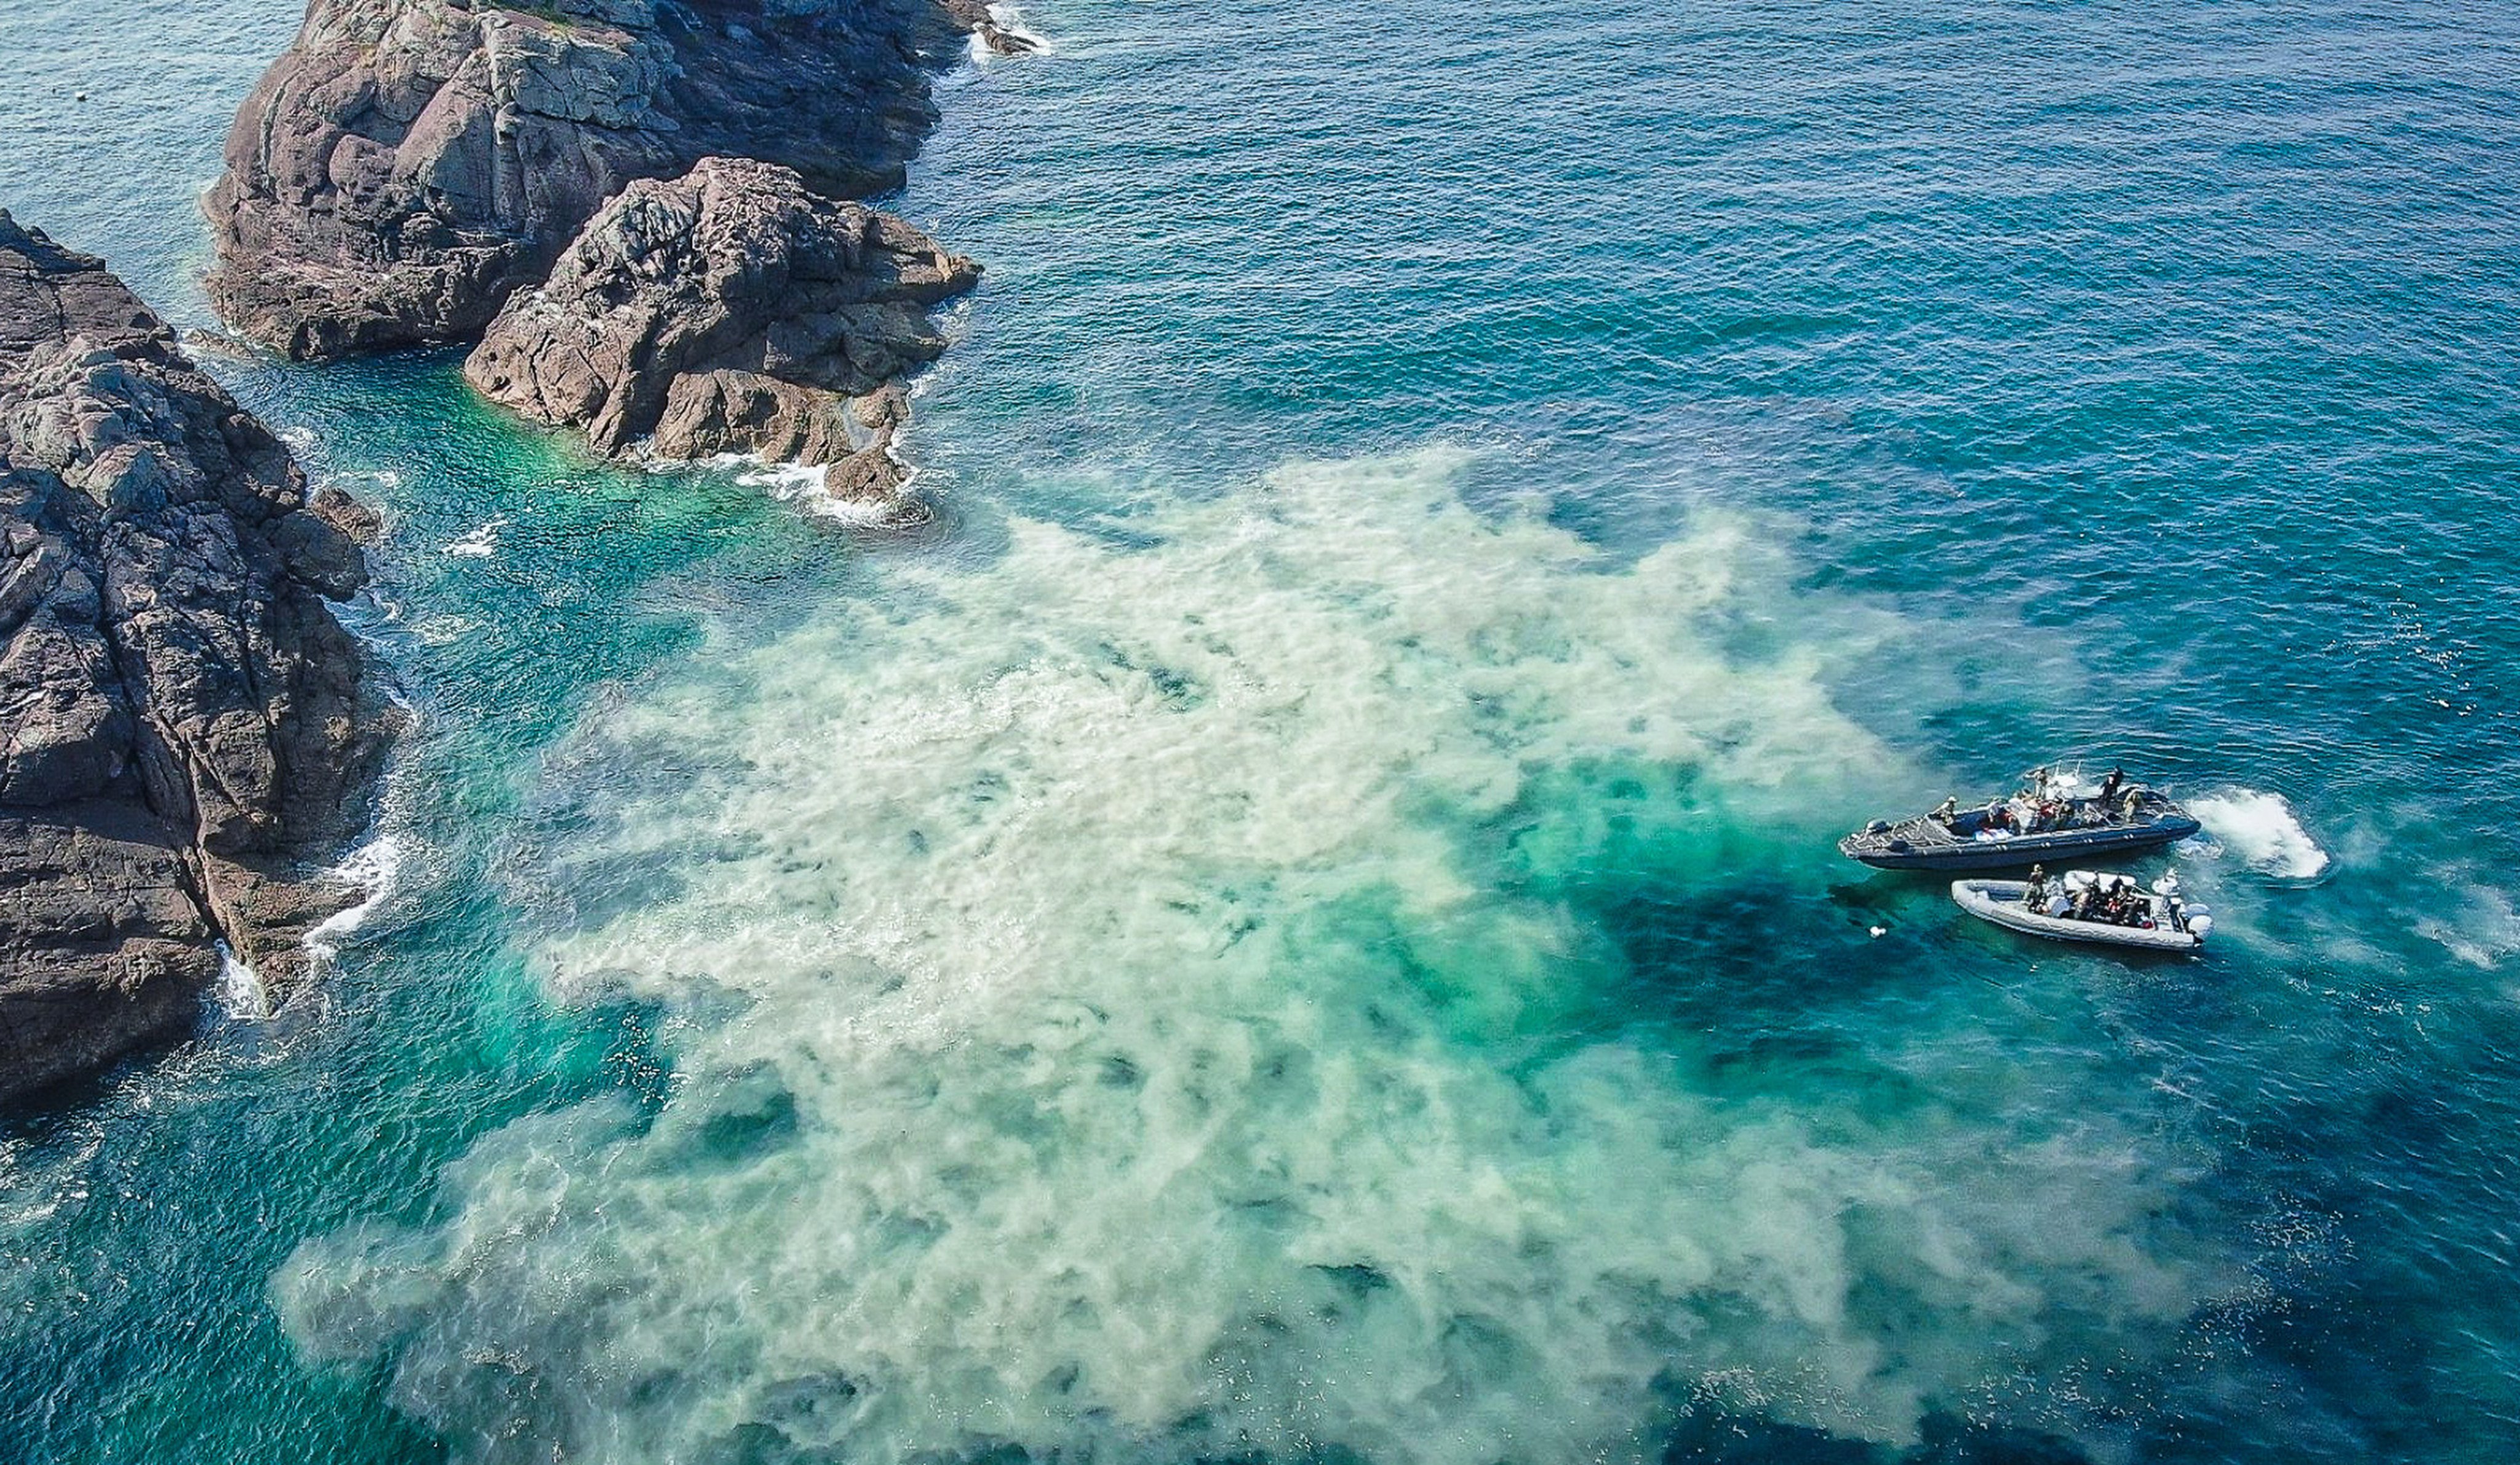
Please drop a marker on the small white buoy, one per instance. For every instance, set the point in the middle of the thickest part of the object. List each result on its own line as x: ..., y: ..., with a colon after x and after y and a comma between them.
x: 1880, y: 931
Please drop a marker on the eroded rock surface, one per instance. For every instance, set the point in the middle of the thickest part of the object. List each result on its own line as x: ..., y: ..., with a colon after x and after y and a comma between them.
x: 730, y: 310
x: 408, y: 163
x: 180, y: 714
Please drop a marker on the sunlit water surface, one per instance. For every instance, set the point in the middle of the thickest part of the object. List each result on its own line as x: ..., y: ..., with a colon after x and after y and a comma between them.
x: 1296, y: 920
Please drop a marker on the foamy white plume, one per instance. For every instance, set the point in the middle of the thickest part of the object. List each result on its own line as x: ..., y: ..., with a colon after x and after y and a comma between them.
x: 1120, y: 1007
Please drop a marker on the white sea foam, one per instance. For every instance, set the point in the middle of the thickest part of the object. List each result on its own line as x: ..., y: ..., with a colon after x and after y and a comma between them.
x: 1009, y: 19
x: 2259, y: 828
x: 372, y: 869
x: 2481, y: 927
x: 479, y: 542
x: 1103, y: 989
x: 444, y: 630
x: 241, y: 994
x: 803, y: 485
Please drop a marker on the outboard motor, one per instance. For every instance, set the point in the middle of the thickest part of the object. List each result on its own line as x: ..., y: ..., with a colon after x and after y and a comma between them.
x: 2199, y: 925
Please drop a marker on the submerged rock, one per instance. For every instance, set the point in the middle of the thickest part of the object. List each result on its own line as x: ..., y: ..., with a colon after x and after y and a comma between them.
x: 730, y: 310
x: 180, y: 714
x: 408, y: 163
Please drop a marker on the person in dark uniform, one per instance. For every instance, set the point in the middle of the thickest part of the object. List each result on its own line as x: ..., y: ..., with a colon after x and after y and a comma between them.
x: 2109, y: 787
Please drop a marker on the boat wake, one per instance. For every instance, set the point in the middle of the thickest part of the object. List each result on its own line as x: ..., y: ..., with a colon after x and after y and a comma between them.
x: 2260, y: 828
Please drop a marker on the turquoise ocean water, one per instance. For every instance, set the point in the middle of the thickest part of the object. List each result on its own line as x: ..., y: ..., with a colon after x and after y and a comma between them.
x: 1297, y: 921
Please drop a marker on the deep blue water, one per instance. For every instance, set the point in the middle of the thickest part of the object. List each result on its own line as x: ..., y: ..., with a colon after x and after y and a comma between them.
x: 1297, y: 921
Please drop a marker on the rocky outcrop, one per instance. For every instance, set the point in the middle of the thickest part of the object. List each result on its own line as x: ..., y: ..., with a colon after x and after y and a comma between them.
x: 180, y: 714
x: 975, y: 16
x: 409, y: 164
x: 730, y: 310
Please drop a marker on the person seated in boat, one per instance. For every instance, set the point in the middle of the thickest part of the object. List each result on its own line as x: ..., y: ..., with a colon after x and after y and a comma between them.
x: 1948, y: 812
x: 2083, y: 901
x: 2139, y: 906
x: 1999, y: 818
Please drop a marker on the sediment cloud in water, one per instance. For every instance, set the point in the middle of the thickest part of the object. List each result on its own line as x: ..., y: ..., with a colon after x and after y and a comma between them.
x: 1123, y: 1004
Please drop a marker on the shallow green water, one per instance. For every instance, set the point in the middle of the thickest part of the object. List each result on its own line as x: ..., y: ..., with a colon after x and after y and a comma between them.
x: 1297, y: 919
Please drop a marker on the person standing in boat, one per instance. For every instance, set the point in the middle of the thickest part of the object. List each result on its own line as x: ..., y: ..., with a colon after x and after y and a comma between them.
x: 2035, y: 899
x: 2109, y: 787
x: 1948, y: 812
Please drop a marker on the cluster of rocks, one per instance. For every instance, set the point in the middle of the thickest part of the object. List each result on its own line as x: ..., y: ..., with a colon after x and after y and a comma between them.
x: 639, y: 205
x: 642, y: 205
x: 181, y: 717
x: 408, y: 163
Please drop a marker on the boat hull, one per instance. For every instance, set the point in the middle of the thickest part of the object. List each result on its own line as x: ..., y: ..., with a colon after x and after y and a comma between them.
x: 1921, y: 846
x: 1999, y: 903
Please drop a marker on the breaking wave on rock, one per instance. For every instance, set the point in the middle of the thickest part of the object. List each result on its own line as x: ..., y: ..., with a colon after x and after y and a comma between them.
x: 1133, y: 999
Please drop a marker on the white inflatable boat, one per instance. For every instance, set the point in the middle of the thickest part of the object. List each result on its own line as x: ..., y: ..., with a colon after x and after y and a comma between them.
x: 2151, y: 920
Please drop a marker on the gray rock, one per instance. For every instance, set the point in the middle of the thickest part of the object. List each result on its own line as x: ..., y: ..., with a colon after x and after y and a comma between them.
x: 869, y: 476
x: 180, y: 714
x: 358, y: 521
x: 729, y: 310
x: 409, y: 163
x: 714, y: 412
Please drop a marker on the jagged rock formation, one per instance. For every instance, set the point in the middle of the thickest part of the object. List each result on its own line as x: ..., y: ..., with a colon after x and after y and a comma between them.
x: 729, y: 310
x: 973, y: 16
x: 180, y: 714
x: 409, y: 164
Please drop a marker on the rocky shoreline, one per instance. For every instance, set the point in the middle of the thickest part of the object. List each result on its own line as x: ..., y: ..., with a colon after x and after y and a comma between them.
x: 185, y: 720
x: 642, y: 212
